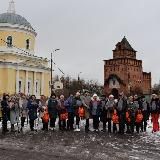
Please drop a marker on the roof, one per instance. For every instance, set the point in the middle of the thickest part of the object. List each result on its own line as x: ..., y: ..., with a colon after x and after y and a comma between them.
x: 13, y: 19
x: 126, y: 44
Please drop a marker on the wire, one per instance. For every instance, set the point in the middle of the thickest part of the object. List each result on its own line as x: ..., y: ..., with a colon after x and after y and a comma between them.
x: 30, y: 54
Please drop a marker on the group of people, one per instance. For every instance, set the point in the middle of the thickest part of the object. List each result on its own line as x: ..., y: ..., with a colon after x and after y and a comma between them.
x: 117, y: 115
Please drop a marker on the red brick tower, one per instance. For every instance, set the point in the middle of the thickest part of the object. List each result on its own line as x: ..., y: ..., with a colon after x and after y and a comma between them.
x: 124, y: 73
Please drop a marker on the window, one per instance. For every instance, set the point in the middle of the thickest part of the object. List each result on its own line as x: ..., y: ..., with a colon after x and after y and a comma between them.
x: 114, y: 82
x: 9, y: 41
x: 37, y: 87
x: 20, y: 86
x: 27, y: 44
x: 29, y: 87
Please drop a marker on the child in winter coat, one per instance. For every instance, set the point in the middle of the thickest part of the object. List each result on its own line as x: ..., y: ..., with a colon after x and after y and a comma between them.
x: 45, y: 118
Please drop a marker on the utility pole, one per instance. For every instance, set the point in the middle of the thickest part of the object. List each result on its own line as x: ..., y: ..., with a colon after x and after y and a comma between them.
x: 52, y: 69
x: 51, y: 72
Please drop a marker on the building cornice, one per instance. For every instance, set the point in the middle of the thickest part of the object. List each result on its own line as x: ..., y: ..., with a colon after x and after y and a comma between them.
x: 18, y: 28
x: 16, y: 52
x: 24, y: 67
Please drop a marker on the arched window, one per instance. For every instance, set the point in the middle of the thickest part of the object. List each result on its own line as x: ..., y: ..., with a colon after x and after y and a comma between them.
x: 27, y: 44
x: 9, y: 41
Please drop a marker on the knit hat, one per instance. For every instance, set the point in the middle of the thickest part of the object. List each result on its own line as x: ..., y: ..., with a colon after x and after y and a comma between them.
x: 95, y: 95
x: 111, y: 96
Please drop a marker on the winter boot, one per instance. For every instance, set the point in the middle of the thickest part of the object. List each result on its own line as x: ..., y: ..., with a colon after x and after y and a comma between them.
x: 77, y: 129
x: 12, y: 128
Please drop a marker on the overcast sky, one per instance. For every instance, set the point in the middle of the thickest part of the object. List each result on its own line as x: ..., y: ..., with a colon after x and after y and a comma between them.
x: 87, y: 31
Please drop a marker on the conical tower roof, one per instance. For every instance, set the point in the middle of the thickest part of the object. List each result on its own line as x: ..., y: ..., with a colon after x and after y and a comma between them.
x: 126, y: 44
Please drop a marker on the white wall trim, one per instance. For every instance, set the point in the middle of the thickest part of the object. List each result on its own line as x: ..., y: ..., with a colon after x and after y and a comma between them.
x: 17, y: 28
x: 25, y: 68
x: 6, y: 49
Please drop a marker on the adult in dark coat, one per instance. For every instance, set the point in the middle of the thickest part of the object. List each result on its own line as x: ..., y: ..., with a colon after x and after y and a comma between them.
x: 104, y: 100
x: 121, y: 107
x: 32, y: 111
x: 52, y: 110
x: 5, y: 112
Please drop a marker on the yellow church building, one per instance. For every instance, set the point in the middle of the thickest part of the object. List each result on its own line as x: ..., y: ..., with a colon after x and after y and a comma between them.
x: 21, y: 71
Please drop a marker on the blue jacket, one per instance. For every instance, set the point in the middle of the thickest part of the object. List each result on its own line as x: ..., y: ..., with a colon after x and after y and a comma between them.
x: 69, y: 104
x: 32, y: 107
x: 98, y: 110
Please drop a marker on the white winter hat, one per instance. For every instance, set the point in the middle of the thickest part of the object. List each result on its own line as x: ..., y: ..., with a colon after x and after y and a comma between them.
x: 95, y: 95
x: 111, y: 96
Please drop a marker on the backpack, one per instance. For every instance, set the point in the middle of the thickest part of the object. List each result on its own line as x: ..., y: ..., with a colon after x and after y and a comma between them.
x: 139, y: 117
x: 128, y: 119
x: 115, y: 117
x: 81, y: 112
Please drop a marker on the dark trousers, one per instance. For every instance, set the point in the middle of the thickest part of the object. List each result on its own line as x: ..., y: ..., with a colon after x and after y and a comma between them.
x: 138, y: 126
x: 31, y: 122
x: 4, y: 125
x: 70, y: 121
x: 77, y: 120
x: 87, y: 125
x: 109, y: 124
x: 95, y: 121
x: 23, y: 121
x: 144, y: 122
x: 107, y: 120
x: 45, y: 126
x: 144, y: 125
x: 62, y: 124
x: 130, y: 127
x: 52, y: 122
x: 121, y: 123
x: 114, y: 127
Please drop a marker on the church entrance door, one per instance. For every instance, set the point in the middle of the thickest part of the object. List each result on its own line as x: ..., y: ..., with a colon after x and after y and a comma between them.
x: 115, y: 93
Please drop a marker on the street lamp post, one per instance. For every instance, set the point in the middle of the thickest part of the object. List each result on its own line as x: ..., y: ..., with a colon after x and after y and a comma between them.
x: 79, y: 84
x: 79, y: 76
x: 52, y: 68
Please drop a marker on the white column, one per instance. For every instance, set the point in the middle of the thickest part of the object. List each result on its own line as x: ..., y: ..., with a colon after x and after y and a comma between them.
x: 42, y: 83
x: 34, y: 78
x: 26, y: 84
x: 17, y: 80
